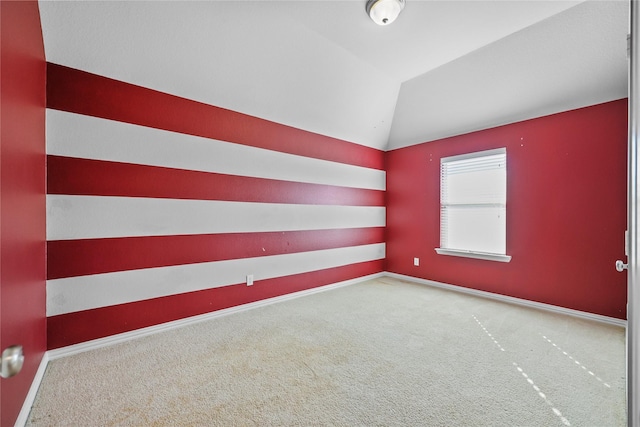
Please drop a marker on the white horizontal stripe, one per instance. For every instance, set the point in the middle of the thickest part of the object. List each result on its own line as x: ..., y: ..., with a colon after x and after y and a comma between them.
x: 76, y: 135
x: 85, y: 346
x: 85, y: 217
x: 88, y: 292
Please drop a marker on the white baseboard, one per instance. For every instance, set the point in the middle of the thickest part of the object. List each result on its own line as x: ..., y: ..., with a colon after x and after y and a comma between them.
x: 513, y: 300
x: 23, y: 416
x: 139, y: 333
x: 58, y: 353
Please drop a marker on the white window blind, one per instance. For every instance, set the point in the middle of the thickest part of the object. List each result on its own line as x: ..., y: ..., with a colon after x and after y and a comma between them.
x: 473, y: 202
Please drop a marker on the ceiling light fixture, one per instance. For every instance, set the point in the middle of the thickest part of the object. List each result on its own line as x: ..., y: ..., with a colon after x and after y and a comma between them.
x: 384, y: 12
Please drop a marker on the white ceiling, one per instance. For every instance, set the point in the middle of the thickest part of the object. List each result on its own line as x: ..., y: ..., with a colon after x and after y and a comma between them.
x: 571, y: 60
x: 443, y: 68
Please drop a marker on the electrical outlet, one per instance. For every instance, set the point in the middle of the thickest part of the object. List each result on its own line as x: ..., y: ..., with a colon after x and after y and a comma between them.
x: 416, y: 262
x: 249, y: 279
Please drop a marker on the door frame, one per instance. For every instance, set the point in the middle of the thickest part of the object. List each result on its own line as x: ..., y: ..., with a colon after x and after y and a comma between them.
x: 633, y: 250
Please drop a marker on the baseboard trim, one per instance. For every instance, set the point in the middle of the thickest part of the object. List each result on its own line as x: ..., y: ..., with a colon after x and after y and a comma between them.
x: 139, y: 333
x: 513, y: 300
x: 23, y: 416
x: 151, y: 330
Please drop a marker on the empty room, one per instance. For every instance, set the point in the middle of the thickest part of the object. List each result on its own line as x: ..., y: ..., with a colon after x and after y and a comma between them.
x: 349, y: 213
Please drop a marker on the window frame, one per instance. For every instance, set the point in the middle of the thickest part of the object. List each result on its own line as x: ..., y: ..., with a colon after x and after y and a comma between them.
x: 472, y: 253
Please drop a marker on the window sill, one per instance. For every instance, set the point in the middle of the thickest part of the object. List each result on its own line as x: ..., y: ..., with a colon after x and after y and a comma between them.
x: 476, y: 255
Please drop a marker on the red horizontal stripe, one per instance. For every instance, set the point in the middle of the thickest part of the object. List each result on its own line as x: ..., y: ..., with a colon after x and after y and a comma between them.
x: 69, y: 175
x: 73, y: 328
x: 80, y: 92
x: 70, y: 258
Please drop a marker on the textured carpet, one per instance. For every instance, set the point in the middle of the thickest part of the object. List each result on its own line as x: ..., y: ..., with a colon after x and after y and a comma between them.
x: 380, y: 353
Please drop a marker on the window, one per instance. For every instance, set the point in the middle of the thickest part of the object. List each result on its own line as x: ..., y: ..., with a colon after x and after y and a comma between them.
x: 473, y: 205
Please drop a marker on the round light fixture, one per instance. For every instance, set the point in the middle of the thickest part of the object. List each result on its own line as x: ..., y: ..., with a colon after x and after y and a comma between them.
x: 384, y: 12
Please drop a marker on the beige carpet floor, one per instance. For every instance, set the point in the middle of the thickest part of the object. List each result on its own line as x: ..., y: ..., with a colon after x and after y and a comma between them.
x: 380, y: 353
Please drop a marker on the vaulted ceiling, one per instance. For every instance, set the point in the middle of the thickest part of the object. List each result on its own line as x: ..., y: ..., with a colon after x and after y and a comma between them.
x: 443, y: 68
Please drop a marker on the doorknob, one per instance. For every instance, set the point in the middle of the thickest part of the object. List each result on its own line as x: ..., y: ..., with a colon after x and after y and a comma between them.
x: 12, y: 360
x: 621, y: 266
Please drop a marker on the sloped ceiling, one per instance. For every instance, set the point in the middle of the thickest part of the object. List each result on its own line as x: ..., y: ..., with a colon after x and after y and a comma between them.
x: 443, y: 68
x: 570, y: 60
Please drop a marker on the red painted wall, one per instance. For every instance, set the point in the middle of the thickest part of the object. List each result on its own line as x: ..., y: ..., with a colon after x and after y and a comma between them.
x: 86, y: 94
x: 22, y: 197
x: 566, y: 210
x: 79, y: 92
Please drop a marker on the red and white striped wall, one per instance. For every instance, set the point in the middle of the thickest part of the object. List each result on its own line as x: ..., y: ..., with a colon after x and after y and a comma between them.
x: 158, y: 207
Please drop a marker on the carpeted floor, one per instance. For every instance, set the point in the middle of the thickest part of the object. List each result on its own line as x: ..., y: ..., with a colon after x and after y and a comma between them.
x: 379, y: 353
